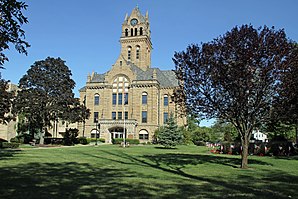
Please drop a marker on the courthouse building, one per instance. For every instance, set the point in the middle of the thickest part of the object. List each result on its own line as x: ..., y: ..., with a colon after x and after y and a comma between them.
x: 132, y: 98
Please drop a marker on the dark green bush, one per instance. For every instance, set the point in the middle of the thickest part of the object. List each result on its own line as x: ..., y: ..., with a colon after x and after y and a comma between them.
x: 1, y: 141
x: 130, y: 141
x: 14, y: 140
x: 12, y: 145
x: 83, y: 140
x: 102, y: 140
x: 70, y: 137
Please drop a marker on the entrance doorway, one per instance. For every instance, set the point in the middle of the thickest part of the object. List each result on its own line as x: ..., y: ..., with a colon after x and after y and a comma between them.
x: 116, y: 132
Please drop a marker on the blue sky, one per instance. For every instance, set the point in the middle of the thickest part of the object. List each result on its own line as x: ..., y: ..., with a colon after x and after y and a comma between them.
x: 86, y: 33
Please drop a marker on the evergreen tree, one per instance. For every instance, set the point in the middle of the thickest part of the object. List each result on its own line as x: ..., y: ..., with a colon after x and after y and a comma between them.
x: 170, y: 136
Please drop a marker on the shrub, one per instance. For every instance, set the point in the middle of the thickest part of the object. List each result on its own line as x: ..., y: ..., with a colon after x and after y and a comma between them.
x: 14, y: 140
x: 102, y: 140
x: 1, y: 141
x: 12, y: 145
x: 70, y: 137
x: 83, y: 140
x: 130, y: 141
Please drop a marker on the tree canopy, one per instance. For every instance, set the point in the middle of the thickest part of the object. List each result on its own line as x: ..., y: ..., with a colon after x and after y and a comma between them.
x: 11, y: 20
x: 234, y: 77
x: 46, y: 94
x: 6, y: 98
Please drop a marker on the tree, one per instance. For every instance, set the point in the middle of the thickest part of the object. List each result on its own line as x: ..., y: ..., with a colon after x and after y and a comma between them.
x: 46, y: 94
x: 233, y: 77
x: 11, y: 20
x: 286, y: 102
x: 6, y: 98
x: 170, y: 136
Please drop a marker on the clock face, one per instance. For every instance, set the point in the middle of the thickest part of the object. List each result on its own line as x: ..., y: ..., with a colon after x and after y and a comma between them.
x: 133, y: 22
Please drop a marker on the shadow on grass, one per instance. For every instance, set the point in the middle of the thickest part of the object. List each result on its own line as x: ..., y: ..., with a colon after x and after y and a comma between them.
x: 68, y: 180
x: 241, y: 186
x: 8, y: 153
x: 138, y: 179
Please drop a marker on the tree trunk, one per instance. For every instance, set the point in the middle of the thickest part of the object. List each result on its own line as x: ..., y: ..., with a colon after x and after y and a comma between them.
x: 42, y: 134
x: 244, y: 154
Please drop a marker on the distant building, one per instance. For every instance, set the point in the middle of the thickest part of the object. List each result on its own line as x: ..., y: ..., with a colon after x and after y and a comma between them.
x: 132, y: 95
x: 8, y: 131
x: 257, y: 135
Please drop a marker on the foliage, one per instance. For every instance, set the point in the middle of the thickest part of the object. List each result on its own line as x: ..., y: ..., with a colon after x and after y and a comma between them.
x: 187, y: 135
x: 89, y: 140
x: 46, y: 95
x: 202, y: 134
x: 170, y: 136
x: 15, y: 140
x: 224, y: 131
x: 130, y: 141
x: 233, y: 77
x: 83, y: 140
x: 12, y: 145
x: 70, y: 137
x: 11, y: 20
x: 6, y: 98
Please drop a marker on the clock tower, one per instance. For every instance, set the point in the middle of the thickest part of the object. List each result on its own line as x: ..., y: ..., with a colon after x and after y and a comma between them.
x: 135, y: 40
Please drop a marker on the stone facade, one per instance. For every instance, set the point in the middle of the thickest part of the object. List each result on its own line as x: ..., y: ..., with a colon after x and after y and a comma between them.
x: 8, y: 131
x: 132, y: 95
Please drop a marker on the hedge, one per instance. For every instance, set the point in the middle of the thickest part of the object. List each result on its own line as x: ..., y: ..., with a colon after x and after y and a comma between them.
x: 10, y: 145
x: 130, y: 141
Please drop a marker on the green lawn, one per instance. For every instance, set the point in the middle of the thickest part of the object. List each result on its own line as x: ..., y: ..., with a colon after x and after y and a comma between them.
x: 108, y: 171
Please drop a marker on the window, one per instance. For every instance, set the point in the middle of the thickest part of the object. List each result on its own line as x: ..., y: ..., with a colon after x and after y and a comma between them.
x: 96, y: 99
x: 119, y: 115
x: 129, y: 53
x: 165, y: 100
x: 131, y: 32
x: 113, y: 115
x: 125, y: 98
x: 136, y: 31
x: 141, y: 31
x: 114, y: 98
x: 138, y: 52
x: 144, y: 98
x: 126, y: 32
x: 95, y: 117
x: 165, y: 117
x: 120, y: 63
x: 119, y: 98
x: 143, y: 135
x: 144, y: 116
x: 126, y: 115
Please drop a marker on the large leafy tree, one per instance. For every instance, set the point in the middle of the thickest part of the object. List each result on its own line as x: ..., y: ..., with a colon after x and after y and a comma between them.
x: 46, y: 94
x: 11, y: 20
x: 233, y: 78
x: 286, y: 103
x: 5, y: 102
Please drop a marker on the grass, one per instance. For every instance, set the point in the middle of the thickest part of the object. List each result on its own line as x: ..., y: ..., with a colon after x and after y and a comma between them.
x: 108, y: 171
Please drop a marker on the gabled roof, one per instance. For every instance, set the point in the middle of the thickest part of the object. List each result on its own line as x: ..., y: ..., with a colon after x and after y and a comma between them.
x: 166, y: 78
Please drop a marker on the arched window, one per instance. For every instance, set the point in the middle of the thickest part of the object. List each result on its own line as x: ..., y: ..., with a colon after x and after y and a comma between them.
x: 126, y: 32
x: 120, y: 91
x: 136, y: 31
x: 138, y: 52
x: 143, y: 135
x: 96, y: 99
x: 131, y: 32
x: 165, y: 100
x: 144, y: 98
x: 129, y: 52
x: 141, y: 31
